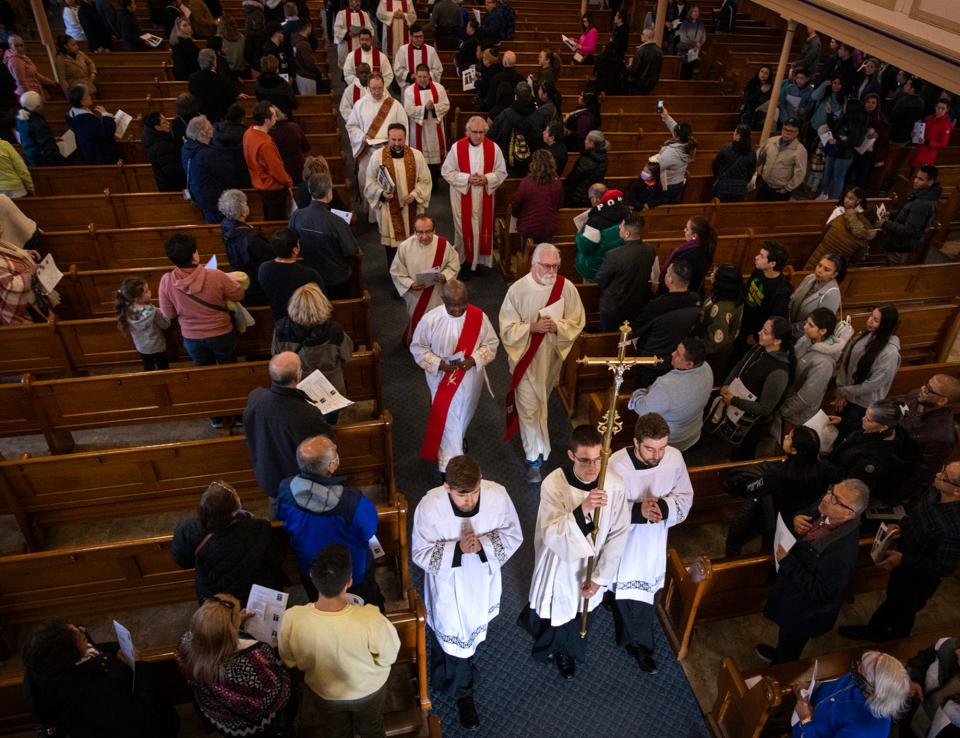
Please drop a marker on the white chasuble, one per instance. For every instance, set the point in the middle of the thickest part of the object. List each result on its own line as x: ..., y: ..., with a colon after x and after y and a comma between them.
x: 462, y: 590
x: 644, y: 561
x: 394, y: 219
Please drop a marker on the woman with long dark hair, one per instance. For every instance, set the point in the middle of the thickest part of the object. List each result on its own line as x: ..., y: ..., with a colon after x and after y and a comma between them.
x: 674, y: 157
x: 584, y: 119
x: 868, y: 366
x: 467, y: 53
x: 846, y: 134
x: 700, y: 243
x: 821, y: 289
x: 721, y: 314
x: 756, y: 93
x: 587, y: 43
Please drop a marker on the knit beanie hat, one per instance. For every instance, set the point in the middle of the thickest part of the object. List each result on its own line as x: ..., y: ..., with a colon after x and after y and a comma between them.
x: 30, y: 100
x: 611, y: 195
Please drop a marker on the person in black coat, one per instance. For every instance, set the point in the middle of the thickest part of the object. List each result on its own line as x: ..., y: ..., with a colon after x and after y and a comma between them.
x: 86, y: 690
x: 230, y: 549
x: 756, y: 93
x: 590, y: 168
x: 228, y: 142
x: 247, y: 247
x: 130, y: 27
x: 814, y: 573
x: 609, y: 70
x: 273, y: 46
x: 184, y: 51
x: 277, y: 420
x: 274, y: 88
x: 624, y: 276
x: 97, y: 33
x: 734, y: 167
x: 38, y: 142
x: 94, y: 129
x: 214, y: 94
x: 518, y: 118
x: 467, y: 53
x: 163, y: 152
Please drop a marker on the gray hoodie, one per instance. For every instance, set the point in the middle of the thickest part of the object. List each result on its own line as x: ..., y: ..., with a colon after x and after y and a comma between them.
x: 815, y: 365
x: 808, y: 297
x: 147, y: 325
x: 877, y: 384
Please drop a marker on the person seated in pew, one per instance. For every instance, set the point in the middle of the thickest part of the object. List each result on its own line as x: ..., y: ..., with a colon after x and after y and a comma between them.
x: 336, y: 635
x: 83, y: 689
x: 73, y: 66
x: 782, y: 487
x: 863, y: 703
x: 247, y: 248
x: 15, y: 178
x: 818, y: 290
x: 814, y: 573
x: 581, y: 121
x: 240, y: 685
x: 848, y: 232
x: 935, y: 692
x: 94, y: 128
x: 646, y: 191
x: 929, y: 422
x: 163, y: 152
x: 230, y: 549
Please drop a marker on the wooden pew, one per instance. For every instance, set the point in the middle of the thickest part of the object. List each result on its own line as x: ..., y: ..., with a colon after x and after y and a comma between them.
x: 57, y: 406
x: 740, y: 711
x: 99, y: 485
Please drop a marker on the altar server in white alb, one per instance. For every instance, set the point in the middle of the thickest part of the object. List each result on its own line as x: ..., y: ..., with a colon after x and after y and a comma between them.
x: 396, y: 16
x: 463, y: 534
x: 540, y: 318
x: 368, y: 124
x: 452, y: 344
x: 426, y: 104
x: 474, y: 168
x: 659, y: 496
x: 411, y: 55
x: 346, y: 29
x: 562, y: 545
x: 369, y: 54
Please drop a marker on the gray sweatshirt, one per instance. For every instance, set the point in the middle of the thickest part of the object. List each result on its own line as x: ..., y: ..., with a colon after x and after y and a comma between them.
x: 877, y: 384
x: 680, y: 397
x: 147, y: 325
x: 808, y: 297
x: 815, y: 365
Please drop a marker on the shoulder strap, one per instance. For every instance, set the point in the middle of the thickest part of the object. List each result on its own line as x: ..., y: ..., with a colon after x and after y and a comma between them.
x: 202, y: 543
x: 203, y: 302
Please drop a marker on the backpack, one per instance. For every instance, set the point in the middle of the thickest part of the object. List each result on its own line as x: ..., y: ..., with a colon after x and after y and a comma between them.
x: 518, y: 152
x: 510, y: 19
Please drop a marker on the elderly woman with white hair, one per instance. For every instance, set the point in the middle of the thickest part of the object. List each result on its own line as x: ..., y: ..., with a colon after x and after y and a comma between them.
x: 247, y: 248
x: 590, y: 168
x: 205, y: 167
x: 39, y: 144
x: 862, y: 703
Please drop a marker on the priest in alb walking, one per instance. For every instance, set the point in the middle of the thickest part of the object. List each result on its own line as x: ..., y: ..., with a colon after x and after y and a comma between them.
x: 346, y: 29
x: 369, y: 123
x: 452, y: 344
x: 463, y: 534
x: 474, y: 168
x: 659, y: 496
x: 562, y: 545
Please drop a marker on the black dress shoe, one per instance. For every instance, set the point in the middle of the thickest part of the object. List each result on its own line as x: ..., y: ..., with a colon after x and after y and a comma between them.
x: 645, y: 662
x: 858, y: 633
x: 468, y: 713
x: 566, y: 665
x: 767, y: 653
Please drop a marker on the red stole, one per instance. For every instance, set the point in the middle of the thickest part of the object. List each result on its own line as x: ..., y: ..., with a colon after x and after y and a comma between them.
x: 466, y: 202
x: 419, y: 126
x: 406, y: 31
x: 374, y: 60
x: 411, y: 66
x: 357, y: 93
x: 351, y: 40
x: 449, y: 385
x: 513, y: 419
x: 425, y: 294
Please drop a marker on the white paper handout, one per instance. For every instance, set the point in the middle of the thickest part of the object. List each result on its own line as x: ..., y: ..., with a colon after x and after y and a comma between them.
x: 322, y: 394
x: 919, y: 132
x: 808, y: 692
x: 881, y: 543
x: 826, y: 432
x: 513, y: 224
x: 151, y: 40
x: 825, y: 135
x: 693, y: 54
x: 125, y: 641
x: 782, y: 537
x: 468, y: 79
x: 67, y: 143
x: 123, y: 121
x: 476, y: 14
x: 354, y: 599
x: 211, y: 263
x: 739, y: 389
x: 265, y: 607
x: 554, y: 311
x: 794, y: 101
x: 385, y: 180
x: 346, y: 215
x: 867, y: 145
x: 375, y: 548
x: 429, y: 277
x: 570, y: 43
x: 48, y: 273
x: 581, y: 220
x: 882, y: 512
x: 675, y: 23
x: 881, y: 212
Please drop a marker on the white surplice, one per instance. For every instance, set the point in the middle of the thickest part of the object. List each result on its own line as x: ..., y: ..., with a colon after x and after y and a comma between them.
x: 520, y: 308
x: 399, y: 26
x: 350, y: 65
x: 435, y: 339
x: 341, y: 31
x: 354, y: 89
x: 561, y: 548
x: 644, y: 561
x: 419, y: 116
x: 459, y: 184
x: 359, y: 122
x: 462, y: 600
x: 420, y: 188
x: 426, y: 54
x: 413, y: 259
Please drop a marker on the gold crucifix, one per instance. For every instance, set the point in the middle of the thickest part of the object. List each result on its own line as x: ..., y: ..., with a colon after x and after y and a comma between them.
x: 609, y: 424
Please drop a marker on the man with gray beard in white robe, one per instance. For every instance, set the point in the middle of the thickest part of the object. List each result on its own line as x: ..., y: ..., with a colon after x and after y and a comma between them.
x: 563, y: 543
x: 659, y: 496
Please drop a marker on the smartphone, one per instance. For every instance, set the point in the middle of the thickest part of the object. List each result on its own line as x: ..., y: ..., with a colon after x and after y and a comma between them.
x: 660, y: 105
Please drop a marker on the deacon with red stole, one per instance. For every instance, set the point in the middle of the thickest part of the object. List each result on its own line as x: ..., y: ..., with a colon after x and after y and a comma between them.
x: 368, y: 126
x: 412, y: 55
x: 355, y: 90
x: 474, y: 168
x: 369, y: 54
x: 396, y: 16
x: 452, y: 344
x: 347, y: 27
x: 540, y: 318
x: 427, y: 105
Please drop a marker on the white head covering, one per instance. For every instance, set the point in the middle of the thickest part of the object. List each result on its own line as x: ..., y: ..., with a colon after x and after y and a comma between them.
x: 30, y: 100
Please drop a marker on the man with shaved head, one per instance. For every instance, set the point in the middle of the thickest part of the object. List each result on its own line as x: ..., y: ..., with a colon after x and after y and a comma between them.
x: 474, y: 168
x: 318, y: 510
x: 929, y: 421
x: 452, y: 343
x: 276, y: 420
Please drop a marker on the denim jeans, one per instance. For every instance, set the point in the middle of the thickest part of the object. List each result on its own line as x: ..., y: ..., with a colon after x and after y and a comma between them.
x: 215, y: 350
x: 834, y: 176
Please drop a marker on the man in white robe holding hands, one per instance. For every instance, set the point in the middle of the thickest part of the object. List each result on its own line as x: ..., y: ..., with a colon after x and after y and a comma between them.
x: 452, y: 344
x: 540, y: 318
x: 412, y: 55
x: 426, y: 105
x: 396, y: 16
x: 474, y: 168
x: 563, y: 543
x: 463, y: 534
x: 367, y: 53
x: 659, y: 496
x: 346, y: 29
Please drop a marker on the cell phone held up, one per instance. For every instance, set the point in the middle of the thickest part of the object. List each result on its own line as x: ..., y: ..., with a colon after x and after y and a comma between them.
x: 660, y: 105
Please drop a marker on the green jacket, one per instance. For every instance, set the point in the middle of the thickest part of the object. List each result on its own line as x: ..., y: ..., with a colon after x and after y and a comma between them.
x: 590, y: 252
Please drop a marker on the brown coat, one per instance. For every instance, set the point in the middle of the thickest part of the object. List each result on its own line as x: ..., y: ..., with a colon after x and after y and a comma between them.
x: 848, y: 236
x: 76, y: 71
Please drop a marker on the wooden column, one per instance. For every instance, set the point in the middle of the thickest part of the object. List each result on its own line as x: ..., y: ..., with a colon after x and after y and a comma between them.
x: 777, y: 80
x: 43, y: 26
x: 657, y: 25
x: 583, y: 8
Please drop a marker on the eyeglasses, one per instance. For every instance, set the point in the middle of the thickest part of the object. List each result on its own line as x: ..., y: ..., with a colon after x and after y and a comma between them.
x: 226, y: 603
x: 834, y: 500
x: 943, y: 475
x: 927, y: 389
x: 549, y: 267
x: 588, y: 462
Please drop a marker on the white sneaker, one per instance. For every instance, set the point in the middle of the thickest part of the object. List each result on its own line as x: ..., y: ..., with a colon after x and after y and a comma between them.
x: 823, y: 197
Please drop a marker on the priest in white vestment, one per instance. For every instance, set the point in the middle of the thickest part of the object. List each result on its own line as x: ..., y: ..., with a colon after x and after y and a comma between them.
x: 424, y: 253
x: 369, y: 54
x: 347, y: 27
x: 426, y: 104
x: 562, y: 544
x: 474, y: 168
x: 355, y: 90
x: 397, y: 203
x: 368, y: 123
x: 452, y: 344
x: 463, y: 534
x: 537, y: 338
x: 659, y: 496
x: 412, y: 55
x: 396, y: 16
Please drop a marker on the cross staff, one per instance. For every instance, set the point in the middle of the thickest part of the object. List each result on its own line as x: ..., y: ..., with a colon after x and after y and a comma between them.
x: 610, y: 424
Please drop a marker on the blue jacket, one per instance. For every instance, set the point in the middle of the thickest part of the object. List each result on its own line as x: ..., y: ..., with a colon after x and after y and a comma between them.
x: 205, y: 170
x: 787, y: 111
x: 94, y: 136
x: 841, y: 710
x: 38, y: 142
x: 318, y: 511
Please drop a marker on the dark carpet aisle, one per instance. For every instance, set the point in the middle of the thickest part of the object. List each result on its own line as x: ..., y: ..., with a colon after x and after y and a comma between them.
x: 516, y: 696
